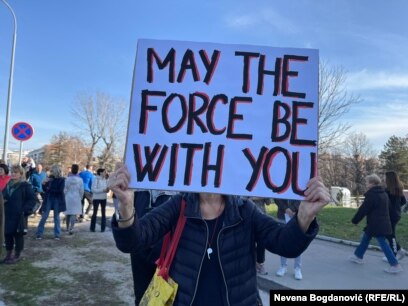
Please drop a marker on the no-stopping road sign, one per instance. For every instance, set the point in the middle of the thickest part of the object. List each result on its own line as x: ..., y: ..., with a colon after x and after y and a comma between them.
x: 22, y: 131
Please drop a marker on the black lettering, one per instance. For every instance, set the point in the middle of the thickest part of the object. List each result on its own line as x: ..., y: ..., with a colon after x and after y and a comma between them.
x: 145, y: 107
x: 151, y: 170
x: 233, y: 116
x: 217, y: 167
x: 248, y: 56
x: 152, y: 55
x: 286, y: 73
x: 165, y: 111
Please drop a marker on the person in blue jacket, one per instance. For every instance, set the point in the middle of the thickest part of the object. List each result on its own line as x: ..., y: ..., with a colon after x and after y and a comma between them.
x: 54, y: 200
x: 37, y: 180
x: 215, y: 262
x: 87, y: 177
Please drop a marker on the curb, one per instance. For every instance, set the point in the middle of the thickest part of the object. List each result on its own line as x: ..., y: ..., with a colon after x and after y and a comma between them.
x: 266, y: 284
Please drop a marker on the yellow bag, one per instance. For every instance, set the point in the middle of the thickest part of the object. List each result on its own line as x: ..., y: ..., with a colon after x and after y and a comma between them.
x: 162, y: 289
x: 160, y: 292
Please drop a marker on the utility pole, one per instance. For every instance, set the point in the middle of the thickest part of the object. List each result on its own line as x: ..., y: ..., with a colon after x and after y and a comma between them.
x: 10, y: 85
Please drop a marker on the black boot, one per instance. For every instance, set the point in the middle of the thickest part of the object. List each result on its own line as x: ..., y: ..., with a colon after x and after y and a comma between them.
x: 14, y: 259
x: 9, y: 255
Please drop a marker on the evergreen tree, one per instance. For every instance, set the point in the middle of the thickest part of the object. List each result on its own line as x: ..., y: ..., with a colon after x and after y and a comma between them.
x: 395, y: 157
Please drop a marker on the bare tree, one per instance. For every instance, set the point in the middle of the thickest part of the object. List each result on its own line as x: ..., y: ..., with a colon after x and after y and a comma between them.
x: 362, y: 161
x: 85, y: 116
x: 333, y: 168
x: 103, y: 118
x: 64, y: 150
x: 112, y: 120
x: 334, y: 102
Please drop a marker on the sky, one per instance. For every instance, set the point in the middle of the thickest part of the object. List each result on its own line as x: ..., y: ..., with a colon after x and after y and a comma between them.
x: 65, y: 48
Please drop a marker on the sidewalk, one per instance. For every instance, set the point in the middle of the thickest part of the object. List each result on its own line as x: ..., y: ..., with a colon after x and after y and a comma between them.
x: 325, y: 265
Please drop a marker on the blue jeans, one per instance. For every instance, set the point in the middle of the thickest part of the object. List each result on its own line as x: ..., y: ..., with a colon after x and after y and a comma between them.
x: 365, y: 240
x: 44, y: 217
x: 284, y: 260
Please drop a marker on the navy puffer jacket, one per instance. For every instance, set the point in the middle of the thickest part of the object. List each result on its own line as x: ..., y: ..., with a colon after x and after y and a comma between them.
x: 19, y: 199
x: 375, y: 208
x: 243, y: 226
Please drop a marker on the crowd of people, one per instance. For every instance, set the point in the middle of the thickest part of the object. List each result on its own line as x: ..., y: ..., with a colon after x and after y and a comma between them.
x: 28, y: 190
x: 225, y: 238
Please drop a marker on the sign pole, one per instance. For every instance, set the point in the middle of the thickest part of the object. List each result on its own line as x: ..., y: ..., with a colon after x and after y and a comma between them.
x: 21, y: 152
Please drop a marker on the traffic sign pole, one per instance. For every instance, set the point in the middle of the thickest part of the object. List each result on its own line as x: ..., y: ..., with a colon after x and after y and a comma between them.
x: 21, y: 152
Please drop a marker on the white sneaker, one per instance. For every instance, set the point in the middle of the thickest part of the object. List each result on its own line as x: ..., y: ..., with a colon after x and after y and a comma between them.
x: 356, y: 260
x: 298, y: 274
x: 281, y: 271
x: 394, y: 269
x: 384, y: 259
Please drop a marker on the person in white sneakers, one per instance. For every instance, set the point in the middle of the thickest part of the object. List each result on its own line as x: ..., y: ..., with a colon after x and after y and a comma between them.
x: 395, y: 191
x: 375, y: 210
x: 287, y: 209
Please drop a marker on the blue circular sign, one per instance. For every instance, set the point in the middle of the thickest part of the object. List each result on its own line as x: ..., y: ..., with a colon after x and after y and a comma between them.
x: 22, y: 131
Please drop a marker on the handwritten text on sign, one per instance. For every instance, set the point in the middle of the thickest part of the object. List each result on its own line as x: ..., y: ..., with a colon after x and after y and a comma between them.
x: 231, y: 119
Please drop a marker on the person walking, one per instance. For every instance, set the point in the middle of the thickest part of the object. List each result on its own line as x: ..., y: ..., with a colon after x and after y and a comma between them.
x: 395, y: 191
x: 1, y: 222
x: 37, y: 180
x: 99, y: 195
x: 287, y: 209
x: 143, y: 261
x: 19, y: 202
x: 215, y: 260
x: 54, y: 200
x: 87, y: 178
x: 375, y: 210
x: 74, y: 191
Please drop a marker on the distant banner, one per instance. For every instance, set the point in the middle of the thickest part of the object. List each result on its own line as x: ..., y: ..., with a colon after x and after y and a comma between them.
x: 229, y: 119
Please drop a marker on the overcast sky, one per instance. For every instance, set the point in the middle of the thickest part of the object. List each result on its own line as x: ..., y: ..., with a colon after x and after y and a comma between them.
x: 67, y: 47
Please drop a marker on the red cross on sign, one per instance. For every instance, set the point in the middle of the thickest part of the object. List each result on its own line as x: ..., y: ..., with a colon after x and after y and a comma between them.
x: 22, y: 131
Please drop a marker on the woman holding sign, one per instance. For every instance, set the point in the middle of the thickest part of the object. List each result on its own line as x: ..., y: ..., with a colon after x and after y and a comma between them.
x: 215, y: 259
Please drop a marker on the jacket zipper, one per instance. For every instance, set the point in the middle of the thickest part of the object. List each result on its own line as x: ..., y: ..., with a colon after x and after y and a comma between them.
x: 201, y: 264
x: 219, y: 259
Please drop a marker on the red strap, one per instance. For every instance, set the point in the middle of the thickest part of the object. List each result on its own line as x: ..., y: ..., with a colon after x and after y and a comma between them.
x: 167, y: 255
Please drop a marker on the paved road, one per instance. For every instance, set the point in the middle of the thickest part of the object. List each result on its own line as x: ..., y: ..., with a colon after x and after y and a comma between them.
x: 326, y: 266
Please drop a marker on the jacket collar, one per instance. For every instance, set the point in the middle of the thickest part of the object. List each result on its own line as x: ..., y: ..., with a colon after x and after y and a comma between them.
x: 232, y: 214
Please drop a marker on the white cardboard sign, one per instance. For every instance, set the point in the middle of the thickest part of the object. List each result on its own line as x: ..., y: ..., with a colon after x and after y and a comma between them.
x: 221, y: 118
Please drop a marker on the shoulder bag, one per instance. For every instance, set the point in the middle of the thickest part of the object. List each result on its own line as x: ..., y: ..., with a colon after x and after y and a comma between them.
x: 162, y: 289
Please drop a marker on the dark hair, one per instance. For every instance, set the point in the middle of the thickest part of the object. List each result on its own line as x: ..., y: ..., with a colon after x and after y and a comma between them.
x: 5, y: 168
x: 394, y: 185
x: 99, y: 171
x: 74, y: 169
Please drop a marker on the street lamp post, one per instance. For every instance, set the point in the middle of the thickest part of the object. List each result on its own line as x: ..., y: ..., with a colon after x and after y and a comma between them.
x: 10, y: 85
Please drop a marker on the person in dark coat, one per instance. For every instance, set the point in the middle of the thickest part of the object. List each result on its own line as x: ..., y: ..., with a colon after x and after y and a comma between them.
x: 54, y: 200
x: 143, y: 262
x: 375, y: 210
x: 19, y: 201
x: 395, y: 191
x: 1, y: 222
x: 215, y: 262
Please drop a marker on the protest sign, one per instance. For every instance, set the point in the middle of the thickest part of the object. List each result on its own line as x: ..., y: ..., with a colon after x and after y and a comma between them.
x: 220, y: 118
